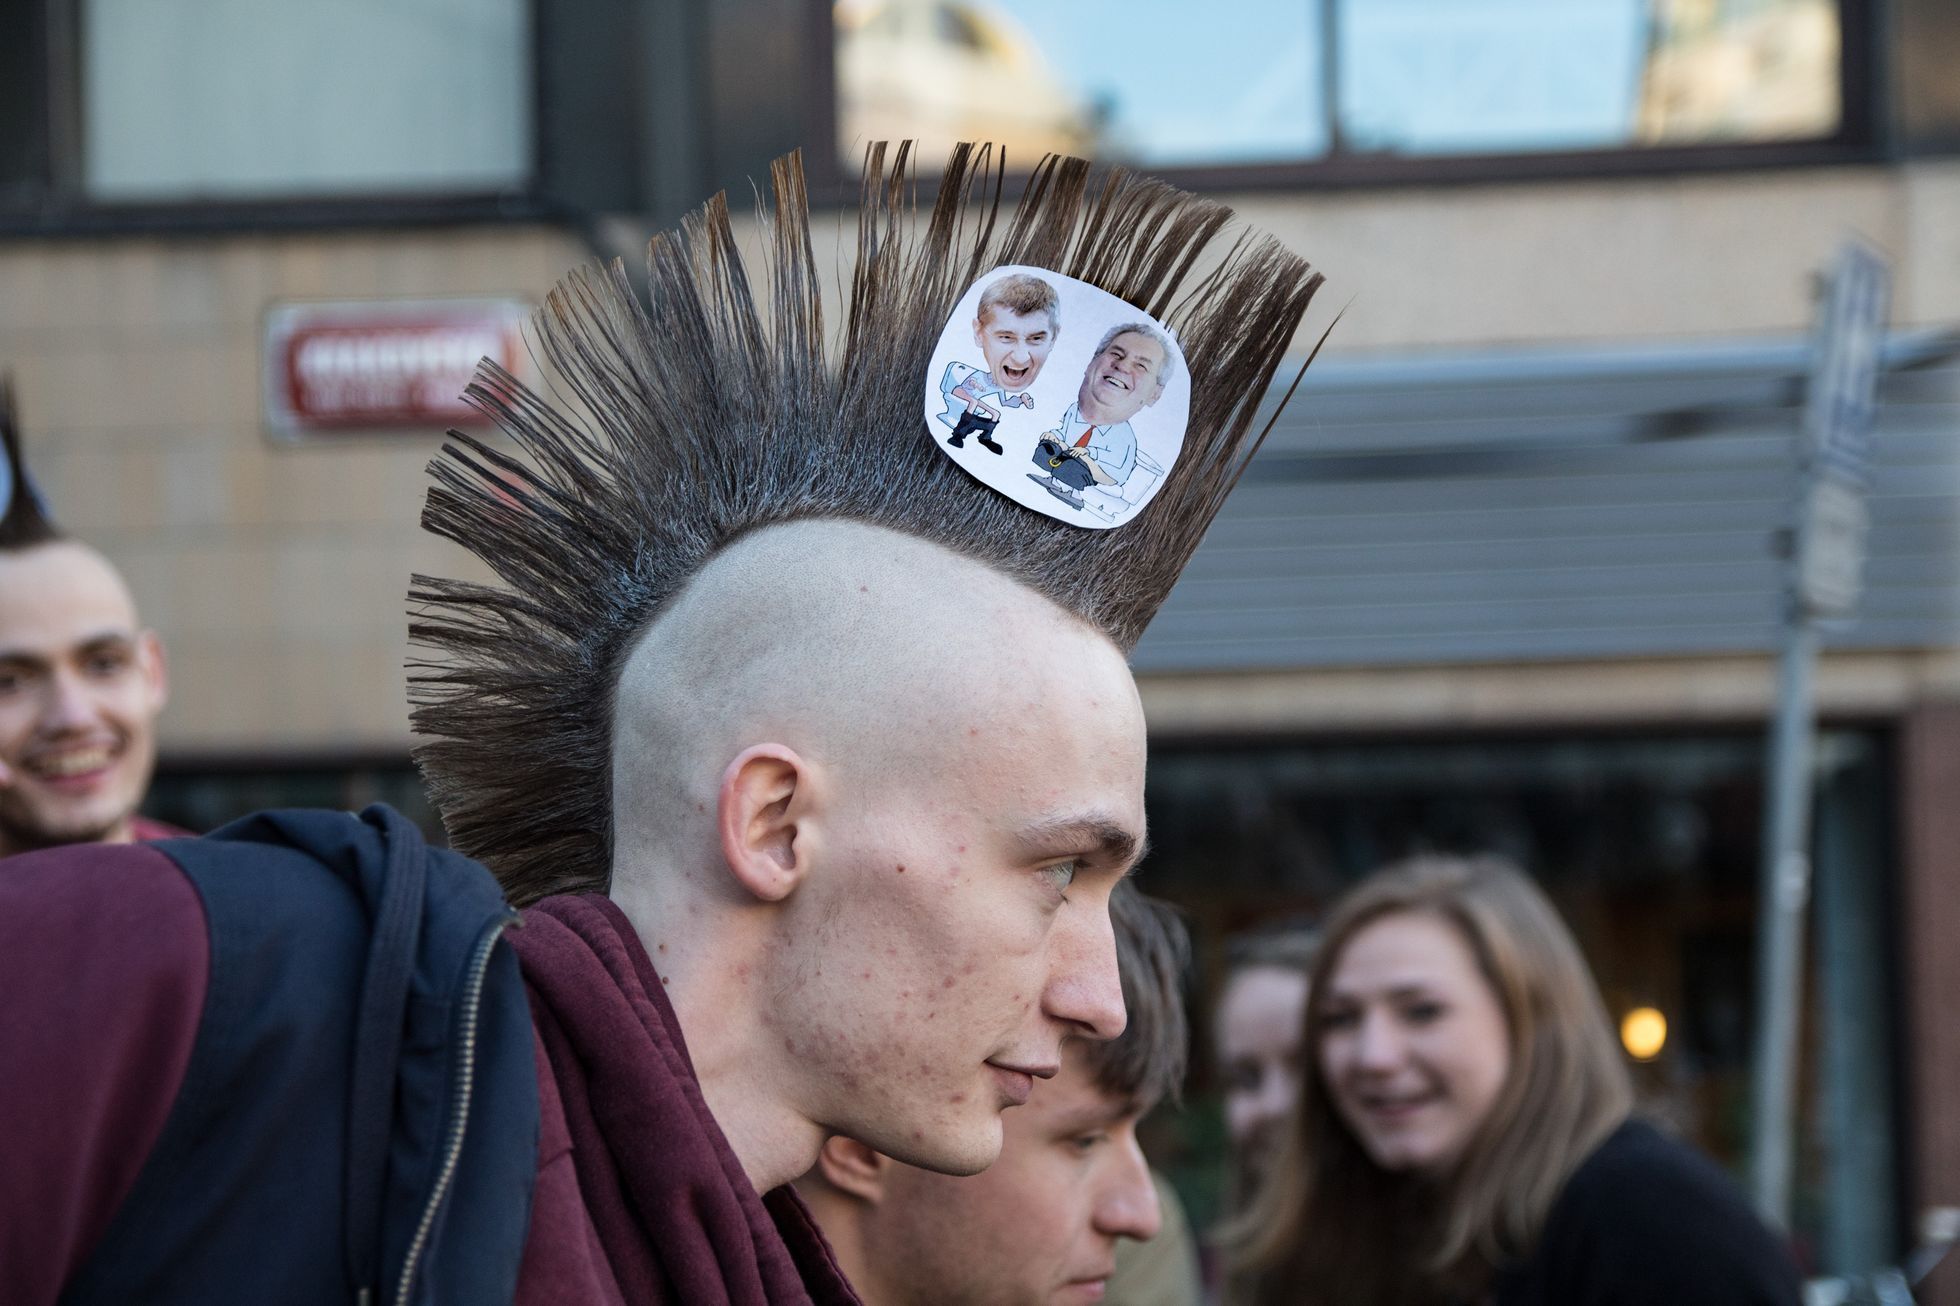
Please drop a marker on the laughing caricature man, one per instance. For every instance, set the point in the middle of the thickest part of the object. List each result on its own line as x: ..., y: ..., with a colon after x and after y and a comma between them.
x: 1015, y: 327
x: 1094, y: 444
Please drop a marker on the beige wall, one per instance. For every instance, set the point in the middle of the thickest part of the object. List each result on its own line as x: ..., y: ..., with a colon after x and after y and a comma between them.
x: 1619, y: 259
x: 277, y: 573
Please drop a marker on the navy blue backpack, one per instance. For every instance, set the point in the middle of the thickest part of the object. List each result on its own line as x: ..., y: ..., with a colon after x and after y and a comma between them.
x: 358, y: 1122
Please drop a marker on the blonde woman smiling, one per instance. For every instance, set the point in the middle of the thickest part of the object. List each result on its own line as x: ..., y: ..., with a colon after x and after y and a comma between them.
x: 1463, y: 1136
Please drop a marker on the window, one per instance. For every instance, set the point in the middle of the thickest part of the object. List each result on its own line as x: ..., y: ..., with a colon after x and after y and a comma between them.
x: 239, y: 99
x: 1311, y: 81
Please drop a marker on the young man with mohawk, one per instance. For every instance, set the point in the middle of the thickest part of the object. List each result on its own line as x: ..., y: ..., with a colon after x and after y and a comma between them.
x: 782, y: 878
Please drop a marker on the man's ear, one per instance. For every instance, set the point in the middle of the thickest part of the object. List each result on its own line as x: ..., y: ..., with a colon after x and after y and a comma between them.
x: 850, y: 1167
x: 156, y: 668
x: 763, y: 804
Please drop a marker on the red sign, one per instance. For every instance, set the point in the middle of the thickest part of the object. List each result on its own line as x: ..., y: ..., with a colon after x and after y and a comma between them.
x: 382, y: 364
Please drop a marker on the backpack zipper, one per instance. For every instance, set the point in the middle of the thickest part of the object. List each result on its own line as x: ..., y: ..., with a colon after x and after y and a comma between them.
x: 459, y: 1110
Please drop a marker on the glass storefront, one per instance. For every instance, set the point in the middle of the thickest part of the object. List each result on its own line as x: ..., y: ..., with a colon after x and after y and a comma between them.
x: 1648, y: 848
x: 202, y: 797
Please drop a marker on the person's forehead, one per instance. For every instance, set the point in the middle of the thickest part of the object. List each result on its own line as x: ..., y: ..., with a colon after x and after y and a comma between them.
x: 58, y: 597
x: 1259, y: 993
x: 1410, y: 949
x: 1136, y: 342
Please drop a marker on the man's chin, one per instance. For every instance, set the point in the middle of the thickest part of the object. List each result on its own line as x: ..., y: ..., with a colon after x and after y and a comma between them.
x: 960, y: 1152
x: 27, y: 830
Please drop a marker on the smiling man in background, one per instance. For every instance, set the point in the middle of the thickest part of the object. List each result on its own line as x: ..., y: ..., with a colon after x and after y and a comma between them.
x: 81, y: 682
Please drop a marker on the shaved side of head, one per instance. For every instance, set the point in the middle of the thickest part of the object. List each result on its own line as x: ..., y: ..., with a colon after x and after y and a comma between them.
x: 866, y: 649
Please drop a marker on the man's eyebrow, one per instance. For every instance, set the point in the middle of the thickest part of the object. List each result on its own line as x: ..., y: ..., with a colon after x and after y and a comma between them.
x: 1103, y: 836
x: 108, y: 639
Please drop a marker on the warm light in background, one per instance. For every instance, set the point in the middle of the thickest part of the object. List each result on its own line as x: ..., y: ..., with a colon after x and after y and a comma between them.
x: 1643, y: 1032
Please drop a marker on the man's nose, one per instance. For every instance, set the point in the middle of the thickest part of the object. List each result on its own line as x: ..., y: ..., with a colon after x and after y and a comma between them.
x: 1083, y: 988
x: 1127, y: 1207
x: 68, y: 704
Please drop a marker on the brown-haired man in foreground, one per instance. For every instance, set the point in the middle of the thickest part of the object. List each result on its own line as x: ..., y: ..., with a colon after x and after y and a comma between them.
x: 1040, y: 1226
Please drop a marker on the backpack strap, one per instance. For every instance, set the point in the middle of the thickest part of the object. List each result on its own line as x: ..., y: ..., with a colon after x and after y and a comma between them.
x: 377, y: 1043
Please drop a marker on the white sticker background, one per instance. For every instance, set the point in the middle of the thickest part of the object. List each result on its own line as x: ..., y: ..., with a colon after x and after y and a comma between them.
x: 1010, y: 396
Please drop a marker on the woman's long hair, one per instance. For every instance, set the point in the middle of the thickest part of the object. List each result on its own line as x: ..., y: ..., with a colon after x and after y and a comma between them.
x: 1332, y: 1226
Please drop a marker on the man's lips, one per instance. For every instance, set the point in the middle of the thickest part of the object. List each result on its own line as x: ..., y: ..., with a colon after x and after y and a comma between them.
x: 72, y: 768
x: 1017, y: 1082
x: 1087, y: 1288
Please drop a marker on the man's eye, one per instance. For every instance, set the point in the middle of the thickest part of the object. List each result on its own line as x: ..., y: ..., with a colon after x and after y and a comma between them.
x: 1086, y: 1142
x: 1062, y: 874
x: 107, y: 664
x: 1423, y: 1013
x: 1337, y: 1019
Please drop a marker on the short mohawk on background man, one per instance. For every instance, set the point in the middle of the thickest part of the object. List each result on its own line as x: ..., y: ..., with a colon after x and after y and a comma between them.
x: 24, y: 519
x: 712, y: 411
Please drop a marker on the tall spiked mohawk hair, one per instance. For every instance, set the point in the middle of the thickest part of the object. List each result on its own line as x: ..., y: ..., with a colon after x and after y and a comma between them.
x: 710, y: 410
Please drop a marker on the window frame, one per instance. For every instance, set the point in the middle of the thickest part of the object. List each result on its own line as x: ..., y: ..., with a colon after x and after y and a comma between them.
x: 55, y: 203
x: 1858, y: 140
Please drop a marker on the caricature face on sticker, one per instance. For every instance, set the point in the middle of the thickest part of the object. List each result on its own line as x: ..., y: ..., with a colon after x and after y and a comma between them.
x: 1081, y: 424
x: 1015, y: 328
x: 1127, y: 373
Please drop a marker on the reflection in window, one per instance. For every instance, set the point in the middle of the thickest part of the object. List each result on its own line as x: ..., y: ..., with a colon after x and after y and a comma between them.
x: 1431, y: 77
x: 1406, y: 77
x: 1150, y: 84
x: 241, y: 98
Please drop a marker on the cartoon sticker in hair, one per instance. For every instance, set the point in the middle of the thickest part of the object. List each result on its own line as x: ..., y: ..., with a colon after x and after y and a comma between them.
x: 1099, y: 414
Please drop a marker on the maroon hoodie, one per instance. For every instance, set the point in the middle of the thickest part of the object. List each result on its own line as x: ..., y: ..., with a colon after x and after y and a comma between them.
x: 105, y: 959
x: 639, y: 1197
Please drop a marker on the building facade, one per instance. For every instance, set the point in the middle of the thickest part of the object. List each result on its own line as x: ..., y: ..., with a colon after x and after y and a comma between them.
x: 1505, y: 575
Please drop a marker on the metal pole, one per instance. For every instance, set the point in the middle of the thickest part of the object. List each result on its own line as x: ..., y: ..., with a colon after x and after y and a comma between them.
x: 1786, y: 891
